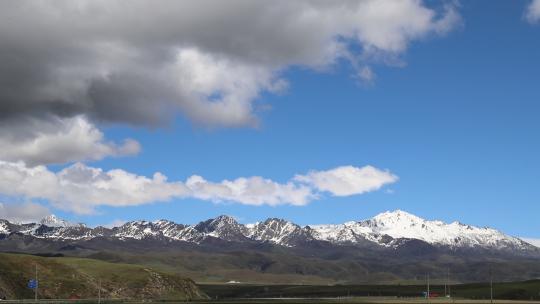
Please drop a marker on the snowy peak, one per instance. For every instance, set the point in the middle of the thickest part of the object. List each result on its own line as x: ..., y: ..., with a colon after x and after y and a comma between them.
x: 54, y: 221
x: 397, y: 217
x: 393, y: 228
x: 223, y: 221
x: 278, y: 231
x: 218, y: 223
x: 403, y: 225
x: 223, y: 227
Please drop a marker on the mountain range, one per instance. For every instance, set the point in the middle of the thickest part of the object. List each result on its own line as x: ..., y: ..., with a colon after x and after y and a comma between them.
x: 388, y: 229
x: 393, y: 245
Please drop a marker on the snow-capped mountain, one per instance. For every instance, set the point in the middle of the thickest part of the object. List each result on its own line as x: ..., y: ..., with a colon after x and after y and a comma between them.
x: 278, y: 231
x: 386, y: 230
x: 54, y: 221
x: 136, y: 230
x: 223, y: 227
x: 402, y: 225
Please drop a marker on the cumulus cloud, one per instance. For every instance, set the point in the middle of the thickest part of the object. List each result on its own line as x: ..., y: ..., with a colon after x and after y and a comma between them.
x: 532, y: 13
x: 348, y: 180
x: 81, y: 189
x: 23, y: 213
x: 59, y: 140
x: 141, y: 63
x: 251, y: 191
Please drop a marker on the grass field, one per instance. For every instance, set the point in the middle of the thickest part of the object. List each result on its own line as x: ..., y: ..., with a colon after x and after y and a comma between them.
x: 528, y: 290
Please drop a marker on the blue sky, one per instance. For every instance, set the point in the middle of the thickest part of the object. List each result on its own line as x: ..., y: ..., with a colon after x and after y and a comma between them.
x: 456, y: 119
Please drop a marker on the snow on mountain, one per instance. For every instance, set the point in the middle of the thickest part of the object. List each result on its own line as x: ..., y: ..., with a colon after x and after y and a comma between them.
x: 4, y: 229
x: 277, y: 231
x: 170, y: 229
x: 54, y: 221
x: 78, y: 232
x: 179, y: 232
x: 223, y: 227
x: 50, y: 227
x: 349, y: 232
x: 136, y: 230
x: 400, y: 224
x: 388, y: 229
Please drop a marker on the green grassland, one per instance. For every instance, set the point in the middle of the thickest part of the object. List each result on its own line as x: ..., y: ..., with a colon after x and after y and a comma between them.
x: 528, y: 290
x: 275, y: 265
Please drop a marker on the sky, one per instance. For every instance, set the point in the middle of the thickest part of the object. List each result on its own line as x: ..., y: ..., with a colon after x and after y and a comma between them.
x: 316, y: 112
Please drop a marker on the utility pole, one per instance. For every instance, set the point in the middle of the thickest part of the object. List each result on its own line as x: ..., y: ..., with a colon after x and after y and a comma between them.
x: 428, y: 293
x: 37, y: 284
x: 99, y: 292
x: 445, y: 284
x: 490, y: 285
x: 449, y: 286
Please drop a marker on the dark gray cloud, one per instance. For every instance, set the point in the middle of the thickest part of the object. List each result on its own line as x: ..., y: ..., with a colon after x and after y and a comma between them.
x: 118, y: 61
x: 71, y: 63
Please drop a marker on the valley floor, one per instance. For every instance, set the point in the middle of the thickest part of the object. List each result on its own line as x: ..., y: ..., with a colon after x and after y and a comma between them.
x: 527, y: 290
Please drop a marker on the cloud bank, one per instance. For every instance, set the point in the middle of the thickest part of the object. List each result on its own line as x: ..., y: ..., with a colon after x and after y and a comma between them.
x: 81, y: 189
x: 144, y: 62
x: 135, y: 61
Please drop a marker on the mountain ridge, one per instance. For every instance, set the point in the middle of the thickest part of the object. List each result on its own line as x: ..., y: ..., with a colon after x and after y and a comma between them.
x: 388, y: 229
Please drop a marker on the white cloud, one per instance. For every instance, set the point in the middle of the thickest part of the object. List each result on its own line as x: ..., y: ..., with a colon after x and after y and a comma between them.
x: 532, y: 14
x: 220, y: 90
x: 81, y: 189
x: 535, y: 242
x: 366, y: 75
x: 60, y: 140
x: 115, y: 223
x: 251, y: 191
x: 23, y: 212
x: 348, y: 180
